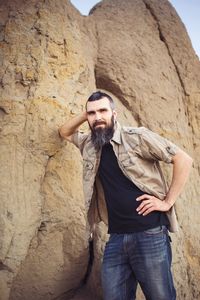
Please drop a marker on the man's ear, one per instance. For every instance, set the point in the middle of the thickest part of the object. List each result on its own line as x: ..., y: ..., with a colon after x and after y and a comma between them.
x: 114, y: 115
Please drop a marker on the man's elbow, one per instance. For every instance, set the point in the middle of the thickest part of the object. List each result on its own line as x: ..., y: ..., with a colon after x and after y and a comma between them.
x: 63, y: 134
x: 184, y: 157
x: 190, y: 160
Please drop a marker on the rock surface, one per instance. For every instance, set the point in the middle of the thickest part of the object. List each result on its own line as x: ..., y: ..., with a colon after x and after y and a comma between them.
x: 52, y: 59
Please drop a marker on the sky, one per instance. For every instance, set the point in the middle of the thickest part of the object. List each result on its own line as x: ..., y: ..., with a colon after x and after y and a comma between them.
x: 188, y: 10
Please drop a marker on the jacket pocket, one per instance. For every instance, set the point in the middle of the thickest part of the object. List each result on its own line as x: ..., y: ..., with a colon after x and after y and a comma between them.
x: 88, y: 169
x: 126, y: 159
x: 131, y: 164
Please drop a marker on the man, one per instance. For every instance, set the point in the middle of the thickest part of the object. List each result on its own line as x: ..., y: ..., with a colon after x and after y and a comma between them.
x: 121, y: 166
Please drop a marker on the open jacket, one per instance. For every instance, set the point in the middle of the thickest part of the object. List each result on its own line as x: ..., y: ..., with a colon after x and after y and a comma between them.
x: 138, y: 151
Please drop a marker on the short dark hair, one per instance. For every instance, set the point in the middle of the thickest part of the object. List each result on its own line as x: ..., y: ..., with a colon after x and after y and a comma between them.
x: 99, y: 95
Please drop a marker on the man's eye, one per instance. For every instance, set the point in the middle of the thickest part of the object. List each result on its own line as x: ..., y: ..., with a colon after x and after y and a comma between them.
x: 103, y: 110
x: 91, y: 113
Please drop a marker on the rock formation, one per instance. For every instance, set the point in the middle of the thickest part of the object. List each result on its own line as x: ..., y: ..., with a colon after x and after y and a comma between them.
x: 52, y: 59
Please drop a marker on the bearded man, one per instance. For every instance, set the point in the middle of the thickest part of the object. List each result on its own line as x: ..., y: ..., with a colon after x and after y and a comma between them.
x: 122, y: 175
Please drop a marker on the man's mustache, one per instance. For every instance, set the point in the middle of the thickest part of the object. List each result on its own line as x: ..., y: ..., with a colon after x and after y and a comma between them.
x: 98, y: 123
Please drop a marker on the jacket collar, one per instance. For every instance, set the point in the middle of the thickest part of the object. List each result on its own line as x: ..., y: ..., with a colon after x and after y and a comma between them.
x: 117, y: 134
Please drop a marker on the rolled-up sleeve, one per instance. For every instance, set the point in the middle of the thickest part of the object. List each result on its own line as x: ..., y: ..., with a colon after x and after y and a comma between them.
x: 78, y: 139
x: 156, y: 147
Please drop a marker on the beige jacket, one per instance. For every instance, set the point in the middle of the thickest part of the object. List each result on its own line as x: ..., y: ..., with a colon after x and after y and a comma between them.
x: 138, y: 151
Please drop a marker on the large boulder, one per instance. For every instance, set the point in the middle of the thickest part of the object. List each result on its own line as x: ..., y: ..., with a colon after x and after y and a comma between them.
x: 52, y: 59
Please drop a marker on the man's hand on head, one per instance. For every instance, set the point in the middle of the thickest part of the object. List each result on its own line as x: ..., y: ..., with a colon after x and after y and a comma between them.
x: 70, y: 127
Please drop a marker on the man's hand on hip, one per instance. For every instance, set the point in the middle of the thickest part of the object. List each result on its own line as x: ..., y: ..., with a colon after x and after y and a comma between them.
x: 150, y: 203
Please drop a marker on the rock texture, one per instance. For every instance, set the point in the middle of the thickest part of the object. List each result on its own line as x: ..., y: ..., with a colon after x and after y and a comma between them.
x: 52, y: 58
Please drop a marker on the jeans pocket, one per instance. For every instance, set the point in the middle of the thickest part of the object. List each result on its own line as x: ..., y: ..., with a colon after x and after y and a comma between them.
x: 155, y: 230
x: 112, y: 237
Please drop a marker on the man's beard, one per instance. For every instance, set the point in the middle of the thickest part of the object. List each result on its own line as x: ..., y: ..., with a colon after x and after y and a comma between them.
x: 102, y: 136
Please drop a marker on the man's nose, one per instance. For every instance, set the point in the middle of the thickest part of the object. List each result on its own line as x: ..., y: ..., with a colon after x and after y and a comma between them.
x: 98, y: 116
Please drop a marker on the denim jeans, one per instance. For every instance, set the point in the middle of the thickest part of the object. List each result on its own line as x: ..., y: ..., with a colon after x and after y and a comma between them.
x: 142, y: 257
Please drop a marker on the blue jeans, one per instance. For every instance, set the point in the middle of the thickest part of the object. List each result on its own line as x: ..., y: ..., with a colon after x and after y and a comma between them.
x: 142, y: 257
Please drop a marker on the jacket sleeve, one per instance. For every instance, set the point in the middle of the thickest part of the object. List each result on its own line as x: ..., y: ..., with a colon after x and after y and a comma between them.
x: 78, y: 139
x: 156, y: 147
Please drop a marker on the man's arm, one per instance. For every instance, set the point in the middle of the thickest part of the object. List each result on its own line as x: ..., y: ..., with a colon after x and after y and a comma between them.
x: 182, y: 164
x: 72, y: 125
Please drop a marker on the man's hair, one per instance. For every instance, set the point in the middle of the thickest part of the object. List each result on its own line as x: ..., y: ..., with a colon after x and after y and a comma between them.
x: 98, y: 96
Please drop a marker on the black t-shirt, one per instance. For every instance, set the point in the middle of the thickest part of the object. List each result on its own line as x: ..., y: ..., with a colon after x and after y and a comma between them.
x: 120, y: 194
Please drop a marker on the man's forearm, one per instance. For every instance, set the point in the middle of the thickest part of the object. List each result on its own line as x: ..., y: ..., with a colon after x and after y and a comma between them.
x: 181, y: 169
x: 72, y: 125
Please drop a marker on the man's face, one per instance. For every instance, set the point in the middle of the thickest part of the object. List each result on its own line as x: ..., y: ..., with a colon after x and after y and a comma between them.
x: 99, y: 114
x: 101, y: 119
